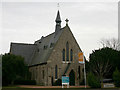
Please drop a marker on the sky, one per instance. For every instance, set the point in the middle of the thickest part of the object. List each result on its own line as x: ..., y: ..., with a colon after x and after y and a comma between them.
x: 26, y: 22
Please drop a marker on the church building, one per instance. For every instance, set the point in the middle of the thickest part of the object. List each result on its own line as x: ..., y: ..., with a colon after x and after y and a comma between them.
x: 52, y: 56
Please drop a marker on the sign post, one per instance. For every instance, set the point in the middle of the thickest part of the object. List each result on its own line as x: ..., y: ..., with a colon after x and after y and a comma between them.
x: 65, y: 81
x: 82, y: 61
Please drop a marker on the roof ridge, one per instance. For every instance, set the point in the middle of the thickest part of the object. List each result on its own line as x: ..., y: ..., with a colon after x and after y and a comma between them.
x: 49, y: 34
x: 22, y: 43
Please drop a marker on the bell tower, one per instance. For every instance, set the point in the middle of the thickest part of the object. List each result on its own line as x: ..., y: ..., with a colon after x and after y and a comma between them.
x: 58, y: 23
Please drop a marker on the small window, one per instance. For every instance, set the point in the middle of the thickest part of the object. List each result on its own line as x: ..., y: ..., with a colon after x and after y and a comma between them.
x: 33, y: 74
x: 56, y: 72
x: 36, y: 74
x: 79, y: 71
x: 45, y: 46
x: 67, y: 51
x: 63, y: 54
x: 71, y: 55
x: 51, y: 45
x: 43, y: 73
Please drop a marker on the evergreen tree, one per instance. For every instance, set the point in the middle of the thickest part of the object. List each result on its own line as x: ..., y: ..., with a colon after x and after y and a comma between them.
x: 13, y: 67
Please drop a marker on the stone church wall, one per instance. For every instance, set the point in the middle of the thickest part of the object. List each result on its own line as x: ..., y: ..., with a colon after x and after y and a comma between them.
x: 56, y: 56
x: 45, y: 74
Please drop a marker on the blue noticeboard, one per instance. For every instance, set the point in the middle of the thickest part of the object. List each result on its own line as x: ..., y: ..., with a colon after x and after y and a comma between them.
x: 65, y: 80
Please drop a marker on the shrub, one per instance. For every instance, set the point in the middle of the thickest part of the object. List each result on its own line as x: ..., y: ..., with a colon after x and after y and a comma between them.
x: 93, y: 82
x: 25, y: 82
x: 13, y: 67
x: 116, y: 78
x: 58, y: 83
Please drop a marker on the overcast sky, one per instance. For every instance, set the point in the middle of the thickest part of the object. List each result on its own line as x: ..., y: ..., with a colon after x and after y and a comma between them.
x: 26, y: 22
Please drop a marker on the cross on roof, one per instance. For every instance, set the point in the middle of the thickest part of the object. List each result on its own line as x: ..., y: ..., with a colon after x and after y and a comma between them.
x: 66, y: 21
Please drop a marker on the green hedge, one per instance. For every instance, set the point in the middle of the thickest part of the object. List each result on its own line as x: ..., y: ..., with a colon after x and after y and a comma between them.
x: 116, y: 78
x: 25, y: 82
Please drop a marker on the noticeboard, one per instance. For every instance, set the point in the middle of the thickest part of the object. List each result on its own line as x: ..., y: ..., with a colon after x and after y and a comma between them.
x: 65, y: 80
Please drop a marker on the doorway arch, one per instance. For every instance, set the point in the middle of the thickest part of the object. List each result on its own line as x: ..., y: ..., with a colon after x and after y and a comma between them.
x: 72, y: 78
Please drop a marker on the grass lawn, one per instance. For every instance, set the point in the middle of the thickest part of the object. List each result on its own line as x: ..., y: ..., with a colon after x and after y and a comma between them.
x: 22, y: 88
x: 53, y: 89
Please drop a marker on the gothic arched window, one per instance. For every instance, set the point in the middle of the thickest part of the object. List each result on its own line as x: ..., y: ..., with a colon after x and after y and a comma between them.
x: 71, y: 55
x: 43, y: 74
x: 79, y: 71
x: 56, y: 72
x: 67, y: 51
x: 63, y: 54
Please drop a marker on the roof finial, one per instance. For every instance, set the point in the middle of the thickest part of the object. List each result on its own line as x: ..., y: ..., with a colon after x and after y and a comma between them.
x: 66, y: 21
x: 58, y: 5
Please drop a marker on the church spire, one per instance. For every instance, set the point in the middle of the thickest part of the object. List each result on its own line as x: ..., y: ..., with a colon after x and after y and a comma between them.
x: 58, y: 19
x: 58, y: 23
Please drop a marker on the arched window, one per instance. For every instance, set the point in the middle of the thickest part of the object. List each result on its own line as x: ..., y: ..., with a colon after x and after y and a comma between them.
x: 43, y: 74
x: 67, y: 51
x: 63, y: 54
x: 79, y: 71
x: 71, y: 55
x: 36, y: 73
x: 56, y: 72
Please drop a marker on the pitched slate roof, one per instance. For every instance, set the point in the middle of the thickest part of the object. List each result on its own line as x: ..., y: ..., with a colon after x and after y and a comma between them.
x: 45, y: 46
x: 24, y: 50
x: 38, y: 52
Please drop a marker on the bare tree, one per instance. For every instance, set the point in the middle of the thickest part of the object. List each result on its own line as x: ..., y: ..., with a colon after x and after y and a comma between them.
x: 111, y: 43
